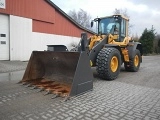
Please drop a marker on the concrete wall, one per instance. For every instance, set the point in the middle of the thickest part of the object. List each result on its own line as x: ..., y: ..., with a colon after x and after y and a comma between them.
x: 23, y: 41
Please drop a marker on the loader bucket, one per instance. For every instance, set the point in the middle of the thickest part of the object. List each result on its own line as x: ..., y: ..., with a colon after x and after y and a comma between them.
x: 60, y: 73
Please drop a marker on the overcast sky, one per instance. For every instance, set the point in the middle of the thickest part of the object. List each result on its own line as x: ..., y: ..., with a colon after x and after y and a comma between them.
x: 143, y: 13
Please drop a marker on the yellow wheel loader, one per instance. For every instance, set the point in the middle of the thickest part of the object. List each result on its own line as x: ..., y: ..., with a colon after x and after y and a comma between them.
x: 112, y: 47
x: 68, y: 73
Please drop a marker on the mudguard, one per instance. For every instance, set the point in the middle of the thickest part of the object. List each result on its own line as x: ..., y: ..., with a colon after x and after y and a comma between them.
x: 132, y: 46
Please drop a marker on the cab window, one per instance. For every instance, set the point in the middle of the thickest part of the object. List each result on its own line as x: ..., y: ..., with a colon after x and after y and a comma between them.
x: 123, y: 27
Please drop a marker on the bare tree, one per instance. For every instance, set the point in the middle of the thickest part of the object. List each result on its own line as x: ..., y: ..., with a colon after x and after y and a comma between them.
x: 121, y: 11
x: 81, y: 17
x: 125, y: 13
x: 135, y: 37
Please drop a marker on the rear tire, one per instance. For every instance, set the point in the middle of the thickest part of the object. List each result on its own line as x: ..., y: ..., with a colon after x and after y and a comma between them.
x: 134, y: 63
x: 108, y: 63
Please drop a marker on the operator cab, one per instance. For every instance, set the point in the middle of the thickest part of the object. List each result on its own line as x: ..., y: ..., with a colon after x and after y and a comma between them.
x: 115, y: 25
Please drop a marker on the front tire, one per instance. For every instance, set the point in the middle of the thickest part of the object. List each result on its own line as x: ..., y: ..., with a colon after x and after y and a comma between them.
x: 108, y: 63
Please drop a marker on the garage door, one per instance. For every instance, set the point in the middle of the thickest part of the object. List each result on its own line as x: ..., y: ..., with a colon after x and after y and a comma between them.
x: 4, y: 37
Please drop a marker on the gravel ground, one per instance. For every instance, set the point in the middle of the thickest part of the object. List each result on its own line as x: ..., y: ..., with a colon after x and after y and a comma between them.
x: 132, y: 96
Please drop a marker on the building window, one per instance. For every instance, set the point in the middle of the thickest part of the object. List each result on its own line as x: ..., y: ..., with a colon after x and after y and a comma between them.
x: 3, y: 42
x: 2, y: 35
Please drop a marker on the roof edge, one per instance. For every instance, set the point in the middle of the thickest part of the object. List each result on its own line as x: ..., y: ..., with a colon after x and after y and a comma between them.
x: 68, y: 17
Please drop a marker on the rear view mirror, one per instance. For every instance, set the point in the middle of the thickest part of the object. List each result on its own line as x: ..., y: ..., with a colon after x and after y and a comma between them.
x: 91, y: 23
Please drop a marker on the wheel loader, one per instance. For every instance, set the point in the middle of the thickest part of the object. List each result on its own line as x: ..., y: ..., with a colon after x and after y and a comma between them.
x: 111, y: 47
x: 68, y: 73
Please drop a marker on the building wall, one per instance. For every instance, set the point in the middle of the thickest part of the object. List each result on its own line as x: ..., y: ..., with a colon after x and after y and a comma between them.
x: 34, y: 9
x: 46, y: 19
x: 33, y: 24
x: 62, y: 26
x: 23, y: 41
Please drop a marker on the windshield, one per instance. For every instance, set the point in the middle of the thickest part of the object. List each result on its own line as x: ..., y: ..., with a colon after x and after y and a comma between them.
x: 107, y: 25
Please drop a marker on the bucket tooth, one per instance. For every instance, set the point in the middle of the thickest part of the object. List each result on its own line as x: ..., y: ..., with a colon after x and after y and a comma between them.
x: 34, y: 87
x: 22, y: 84
x: 25, y: 83
x: 55, y: 96
x: 65, y: 99
x: 41, y: 89
x: 47, y: 92
x: 28, y: 85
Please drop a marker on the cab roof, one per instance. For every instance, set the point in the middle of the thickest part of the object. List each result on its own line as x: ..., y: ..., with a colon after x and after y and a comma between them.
x: 116, y: 15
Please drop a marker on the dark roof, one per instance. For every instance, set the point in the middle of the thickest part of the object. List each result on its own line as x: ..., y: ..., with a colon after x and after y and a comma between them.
x: 68, y: 17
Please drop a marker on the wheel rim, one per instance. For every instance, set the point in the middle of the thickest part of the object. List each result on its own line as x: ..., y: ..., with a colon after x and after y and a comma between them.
x: 114, y: 64
x: 136, y: 60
